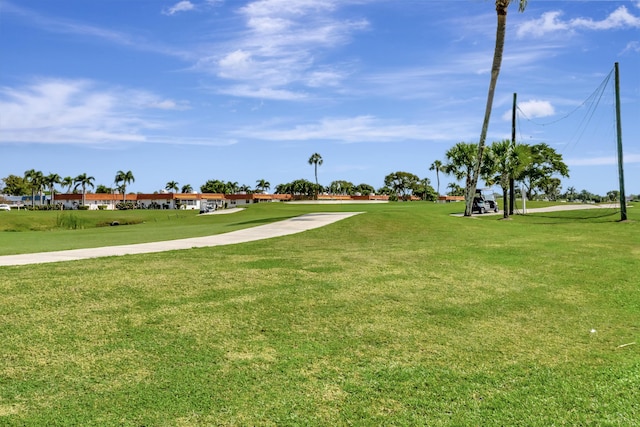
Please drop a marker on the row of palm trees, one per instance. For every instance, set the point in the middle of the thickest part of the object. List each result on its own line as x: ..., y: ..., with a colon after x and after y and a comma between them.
x: 38, y: 182
x: 504, y: 162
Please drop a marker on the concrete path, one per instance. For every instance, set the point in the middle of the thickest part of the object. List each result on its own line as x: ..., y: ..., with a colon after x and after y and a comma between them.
x: 564, y: 207
x: 276, y: 229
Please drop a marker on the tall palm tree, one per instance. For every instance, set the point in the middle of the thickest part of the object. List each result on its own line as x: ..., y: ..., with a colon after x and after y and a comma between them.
x: 437, y: 166
x: 83, y: 181
x: 51, y: 180
x: 501, y: 10
x: 187, y: 188
x: 262, y: 185
x: 35, y: 179
x: 67, y: 182
x: 124, y: 178
x: 231, y: 187
x: 171, y: 186
x: 316, y: 160
x: 505, y: 162
x: 461, y: 160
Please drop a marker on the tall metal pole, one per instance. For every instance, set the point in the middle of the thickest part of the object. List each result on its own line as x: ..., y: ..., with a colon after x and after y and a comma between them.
x: 512, y: 191
x: 623, y: 197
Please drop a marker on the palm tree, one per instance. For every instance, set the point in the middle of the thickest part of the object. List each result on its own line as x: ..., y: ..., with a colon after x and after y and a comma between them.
x: 501, y: 10
x: 67, y: 181
x: 124, y: 178
x: 186, y: 189
x: 171, y: 186
x: 316, y: 160
x: 83, y: 181
x: 461, y: 160
x: 504, y: 162
x: 35, y: 179
x: 232, y: 187
x: 262, y: 185
x: 437, y: 166
x: 51, y: 180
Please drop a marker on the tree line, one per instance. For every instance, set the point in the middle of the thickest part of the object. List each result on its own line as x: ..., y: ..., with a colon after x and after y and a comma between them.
x: 534, y: 167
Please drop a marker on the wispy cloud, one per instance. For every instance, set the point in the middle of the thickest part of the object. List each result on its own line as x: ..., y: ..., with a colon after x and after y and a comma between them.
x: 350, y: 130
x: 552, y: 22
x: 181, y: 6
x: 278, y: 49
x: 78, y: 112
x: 91, y: 32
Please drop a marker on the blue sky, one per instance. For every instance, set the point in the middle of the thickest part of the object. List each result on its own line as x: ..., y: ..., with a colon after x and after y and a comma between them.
x: 240, y: 91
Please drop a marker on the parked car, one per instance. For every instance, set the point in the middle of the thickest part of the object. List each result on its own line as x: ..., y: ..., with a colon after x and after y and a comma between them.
x: 5, y: 207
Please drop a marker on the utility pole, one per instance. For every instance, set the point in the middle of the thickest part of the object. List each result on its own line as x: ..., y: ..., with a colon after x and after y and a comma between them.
x: 623, y: 197
x: 512, y: 191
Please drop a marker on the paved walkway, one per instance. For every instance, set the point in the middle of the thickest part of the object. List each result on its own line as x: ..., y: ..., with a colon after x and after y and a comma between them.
x: 276, y: 229
x: 564, y: 207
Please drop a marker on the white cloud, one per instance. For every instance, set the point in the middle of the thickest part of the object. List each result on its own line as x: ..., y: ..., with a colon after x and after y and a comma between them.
x: 551, y: 22
x: 633, y: 46
x: 247, y: 91
x: 532, y: 109
x: 77, y: 112
x: 280, y: 46
x: 181, y: 6
x: 351, y: 130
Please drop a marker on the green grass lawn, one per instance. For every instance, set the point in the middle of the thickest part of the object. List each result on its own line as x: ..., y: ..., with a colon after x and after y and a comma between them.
x: 403, y: 315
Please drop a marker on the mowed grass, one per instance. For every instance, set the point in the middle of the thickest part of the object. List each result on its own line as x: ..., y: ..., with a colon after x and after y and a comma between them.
x: 403, y: 315
x: 45, y: 231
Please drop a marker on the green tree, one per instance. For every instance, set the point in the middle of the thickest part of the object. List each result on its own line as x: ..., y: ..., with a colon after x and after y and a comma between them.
x: 437, y: 166
x: 461, y: 159
x: 501, y: 10
x: 504, y: 162
x: 186, y: 189
x: 51, y: 180
x: 103, y: 189
x: 424, y: 190
x: 455, y: 189
x: 364, y: 189
x: 171, y: 186
x: 316, y: 160
x: 121, y: 180
x: 232, y: 187
x: 341, y: 187
x: 214, y: 186
x: 613, y: 195
x: 16, y: 185
x: 67, y: 182
x: 35, y: 180
x: 545, y: 163
x: 551, y: 188
x: 262, y: 185
x: 83, y: 181
x: 401, y: 182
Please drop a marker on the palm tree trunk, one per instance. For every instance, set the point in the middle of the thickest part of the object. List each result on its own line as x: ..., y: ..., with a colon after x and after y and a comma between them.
x: 505, y: 202
x: 470, y: 191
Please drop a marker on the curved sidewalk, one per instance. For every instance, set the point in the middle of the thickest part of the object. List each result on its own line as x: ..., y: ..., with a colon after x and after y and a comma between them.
x: 276, y: 229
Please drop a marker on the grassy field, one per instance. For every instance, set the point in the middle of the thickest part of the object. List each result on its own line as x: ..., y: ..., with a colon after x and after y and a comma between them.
x: 403, y: 315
